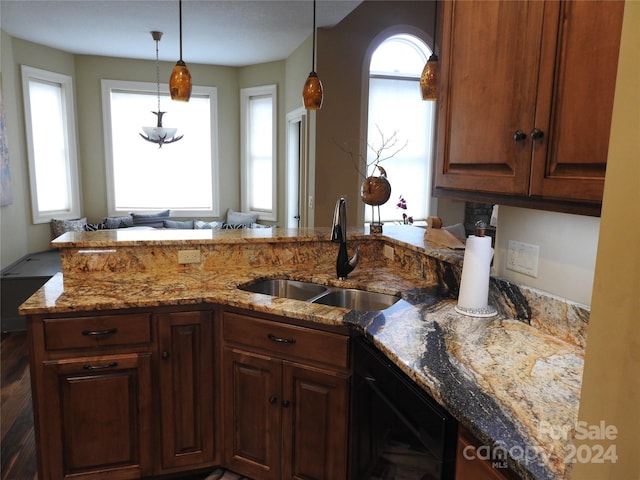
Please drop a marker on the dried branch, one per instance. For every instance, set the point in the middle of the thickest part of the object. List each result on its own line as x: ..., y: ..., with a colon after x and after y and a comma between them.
x: 381, y: 153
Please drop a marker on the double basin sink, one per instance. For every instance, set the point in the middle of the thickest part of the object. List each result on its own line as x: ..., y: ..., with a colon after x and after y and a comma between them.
x: 350, y: 298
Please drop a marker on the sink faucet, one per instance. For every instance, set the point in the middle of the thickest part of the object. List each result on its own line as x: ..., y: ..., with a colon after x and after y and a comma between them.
x: 344, y: 264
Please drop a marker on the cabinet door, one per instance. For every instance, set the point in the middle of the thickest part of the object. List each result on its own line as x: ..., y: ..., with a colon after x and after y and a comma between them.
x: 252, y: 414
x: 575, y: 98
x: 489, y: 68
x: 186, y: 379
x: 98, y: 417
x: 315, y: 423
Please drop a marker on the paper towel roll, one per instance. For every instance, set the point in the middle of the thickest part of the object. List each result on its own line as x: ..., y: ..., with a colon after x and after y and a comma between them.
x: 474, y: 285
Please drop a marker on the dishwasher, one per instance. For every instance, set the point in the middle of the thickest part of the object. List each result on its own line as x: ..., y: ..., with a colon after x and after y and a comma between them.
x: 399, y: 431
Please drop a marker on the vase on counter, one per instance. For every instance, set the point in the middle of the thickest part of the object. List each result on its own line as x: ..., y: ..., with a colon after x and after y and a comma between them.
x: 375, y: 191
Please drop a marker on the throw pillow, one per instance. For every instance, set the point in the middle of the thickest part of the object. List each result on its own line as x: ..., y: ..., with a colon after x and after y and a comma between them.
x: 150, y: 219
x: 227, y: 226
x: 240, y: 218
x: 58, y: 227
x: 92, y: 227
x: 118, y: 222
x: 199, y: 224
x: 183, y: 225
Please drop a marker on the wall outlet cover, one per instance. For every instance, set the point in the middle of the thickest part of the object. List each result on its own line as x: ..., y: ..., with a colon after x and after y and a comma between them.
x: 188, y: 256
x: 523, y: 258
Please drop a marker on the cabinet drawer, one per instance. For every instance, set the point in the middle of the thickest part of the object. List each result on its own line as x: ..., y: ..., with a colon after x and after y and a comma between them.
x: 104, y: 330
x: 287, y: 341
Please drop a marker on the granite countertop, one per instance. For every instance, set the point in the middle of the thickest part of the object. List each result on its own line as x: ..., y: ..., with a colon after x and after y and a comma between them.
x: 511, y: 384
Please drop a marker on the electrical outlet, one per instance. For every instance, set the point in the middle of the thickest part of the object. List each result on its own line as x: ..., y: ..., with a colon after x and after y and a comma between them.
x: 388, y: 252
x: 523, y: 258
x: 310, y: 202
x: 188, y: 256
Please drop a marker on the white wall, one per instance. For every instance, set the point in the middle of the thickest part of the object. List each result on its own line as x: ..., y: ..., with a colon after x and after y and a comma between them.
x: 567, y: 253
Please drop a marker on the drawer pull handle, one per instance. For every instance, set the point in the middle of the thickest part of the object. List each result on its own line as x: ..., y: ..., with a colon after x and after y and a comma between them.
x: 286, y: 403
x: 99, y: 333
x: 100, y: 367
x: 273, y: 338
x: 273, y: 399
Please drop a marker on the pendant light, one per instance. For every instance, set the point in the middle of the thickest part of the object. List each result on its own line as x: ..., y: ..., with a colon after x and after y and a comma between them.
x: 159, y: 134
x: 429, y: 77
x: 180, y: 81
x: 312, y: 90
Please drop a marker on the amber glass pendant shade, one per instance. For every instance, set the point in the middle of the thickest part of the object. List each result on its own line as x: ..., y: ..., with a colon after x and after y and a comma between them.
x: 312, y: 92
x: 180, y: 82
x: 429, y: 79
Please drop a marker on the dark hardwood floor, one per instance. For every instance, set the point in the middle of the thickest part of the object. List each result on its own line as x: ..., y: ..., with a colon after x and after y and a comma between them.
x: 17, y: 448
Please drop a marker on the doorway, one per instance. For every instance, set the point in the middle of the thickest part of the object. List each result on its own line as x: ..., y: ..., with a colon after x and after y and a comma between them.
x: 296, y: 215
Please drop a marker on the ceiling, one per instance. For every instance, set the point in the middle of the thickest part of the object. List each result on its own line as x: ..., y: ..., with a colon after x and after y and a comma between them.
x: 215, y: 32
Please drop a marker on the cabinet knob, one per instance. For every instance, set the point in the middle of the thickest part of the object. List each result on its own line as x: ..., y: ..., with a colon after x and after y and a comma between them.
x: 286, y: 403
x: 165, y: 355
x: 519, y: 135
x: 536, y: 134
x: 273, y: 399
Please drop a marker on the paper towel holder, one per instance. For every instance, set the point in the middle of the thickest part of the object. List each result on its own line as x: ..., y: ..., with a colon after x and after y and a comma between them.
x: 486, y: 310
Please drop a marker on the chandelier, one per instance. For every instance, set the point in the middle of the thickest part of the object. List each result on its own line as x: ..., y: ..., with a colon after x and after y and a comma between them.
x: 159, y: 134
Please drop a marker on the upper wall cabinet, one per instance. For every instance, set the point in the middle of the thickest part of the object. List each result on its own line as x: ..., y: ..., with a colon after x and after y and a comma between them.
x: 525, y: 102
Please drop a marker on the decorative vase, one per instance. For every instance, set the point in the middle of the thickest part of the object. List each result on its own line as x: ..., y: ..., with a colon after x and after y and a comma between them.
x: 375, y: 191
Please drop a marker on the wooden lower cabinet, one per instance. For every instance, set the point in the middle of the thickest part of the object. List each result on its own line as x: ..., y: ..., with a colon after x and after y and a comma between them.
x: 98, y: 417
x: 186, y: 390
x: 284, y: 418
x: 124, y: 395
x: 470, y: 465
x: 315, y: 424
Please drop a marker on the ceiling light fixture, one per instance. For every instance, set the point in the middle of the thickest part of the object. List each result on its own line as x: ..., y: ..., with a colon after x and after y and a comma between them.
x: 180, y: 81
x: 312, y: 90
x: 159, y: 134
x: 429, y: 77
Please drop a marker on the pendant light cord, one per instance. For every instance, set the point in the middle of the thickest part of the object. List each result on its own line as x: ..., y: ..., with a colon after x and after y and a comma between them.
x: 180, y: 17
x: 158, y: 75
x: 313, y: 50
x: 435, y: 28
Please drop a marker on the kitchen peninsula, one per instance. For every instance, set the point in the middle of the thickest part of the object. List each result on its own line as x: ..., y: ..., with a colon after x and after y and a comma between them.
x: 512, y: 380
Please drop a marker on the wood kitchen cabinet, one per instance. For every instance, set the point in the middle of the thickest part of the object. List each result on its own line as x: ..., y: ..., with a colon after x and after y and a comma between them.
x: 286, y: 397
x: 124, y: 395
x: 186, y: 378
x: 526, y: 97
x: 470, y: 463
x: 92, y: 393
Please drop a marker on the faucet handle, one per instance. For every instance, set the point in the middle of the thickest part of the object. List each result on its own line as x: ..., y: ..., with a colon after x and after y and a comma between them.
x: 353, y: 261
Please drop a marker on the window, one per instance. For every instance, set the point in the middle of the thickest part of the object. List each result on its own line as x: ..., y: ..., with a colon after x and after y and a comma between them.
x: 395, y: 105
x: 51, y: 145
x: 181, y: 176
x: 258, y: 151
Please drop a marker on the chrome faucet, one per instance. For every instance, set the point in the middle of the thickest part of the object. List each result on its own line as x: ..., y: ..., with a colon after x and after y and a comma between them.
x: 344, y: 264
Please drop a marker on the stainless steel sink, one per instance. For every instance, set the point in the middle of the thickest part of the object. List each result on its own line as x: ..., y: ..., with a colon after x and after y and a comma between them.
x: 356, y: 299
x: 350, y: 298
x: 292, y: 289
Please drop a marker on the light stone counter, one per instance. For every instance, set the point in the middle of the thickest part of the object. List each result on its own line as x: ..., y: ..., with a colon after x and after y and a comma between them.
x: 508, y: 378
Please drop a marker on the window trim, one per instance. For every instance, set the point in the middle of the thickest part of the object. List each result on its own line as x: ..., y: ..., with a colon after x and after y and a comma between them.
x: 245, y: 96
x: 69, y: 126
x: 107, y: 86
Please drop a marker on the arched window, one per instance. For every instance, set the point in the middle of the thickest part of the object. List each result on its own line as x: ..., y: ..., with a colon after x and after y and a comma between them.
x: 396, y: 108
